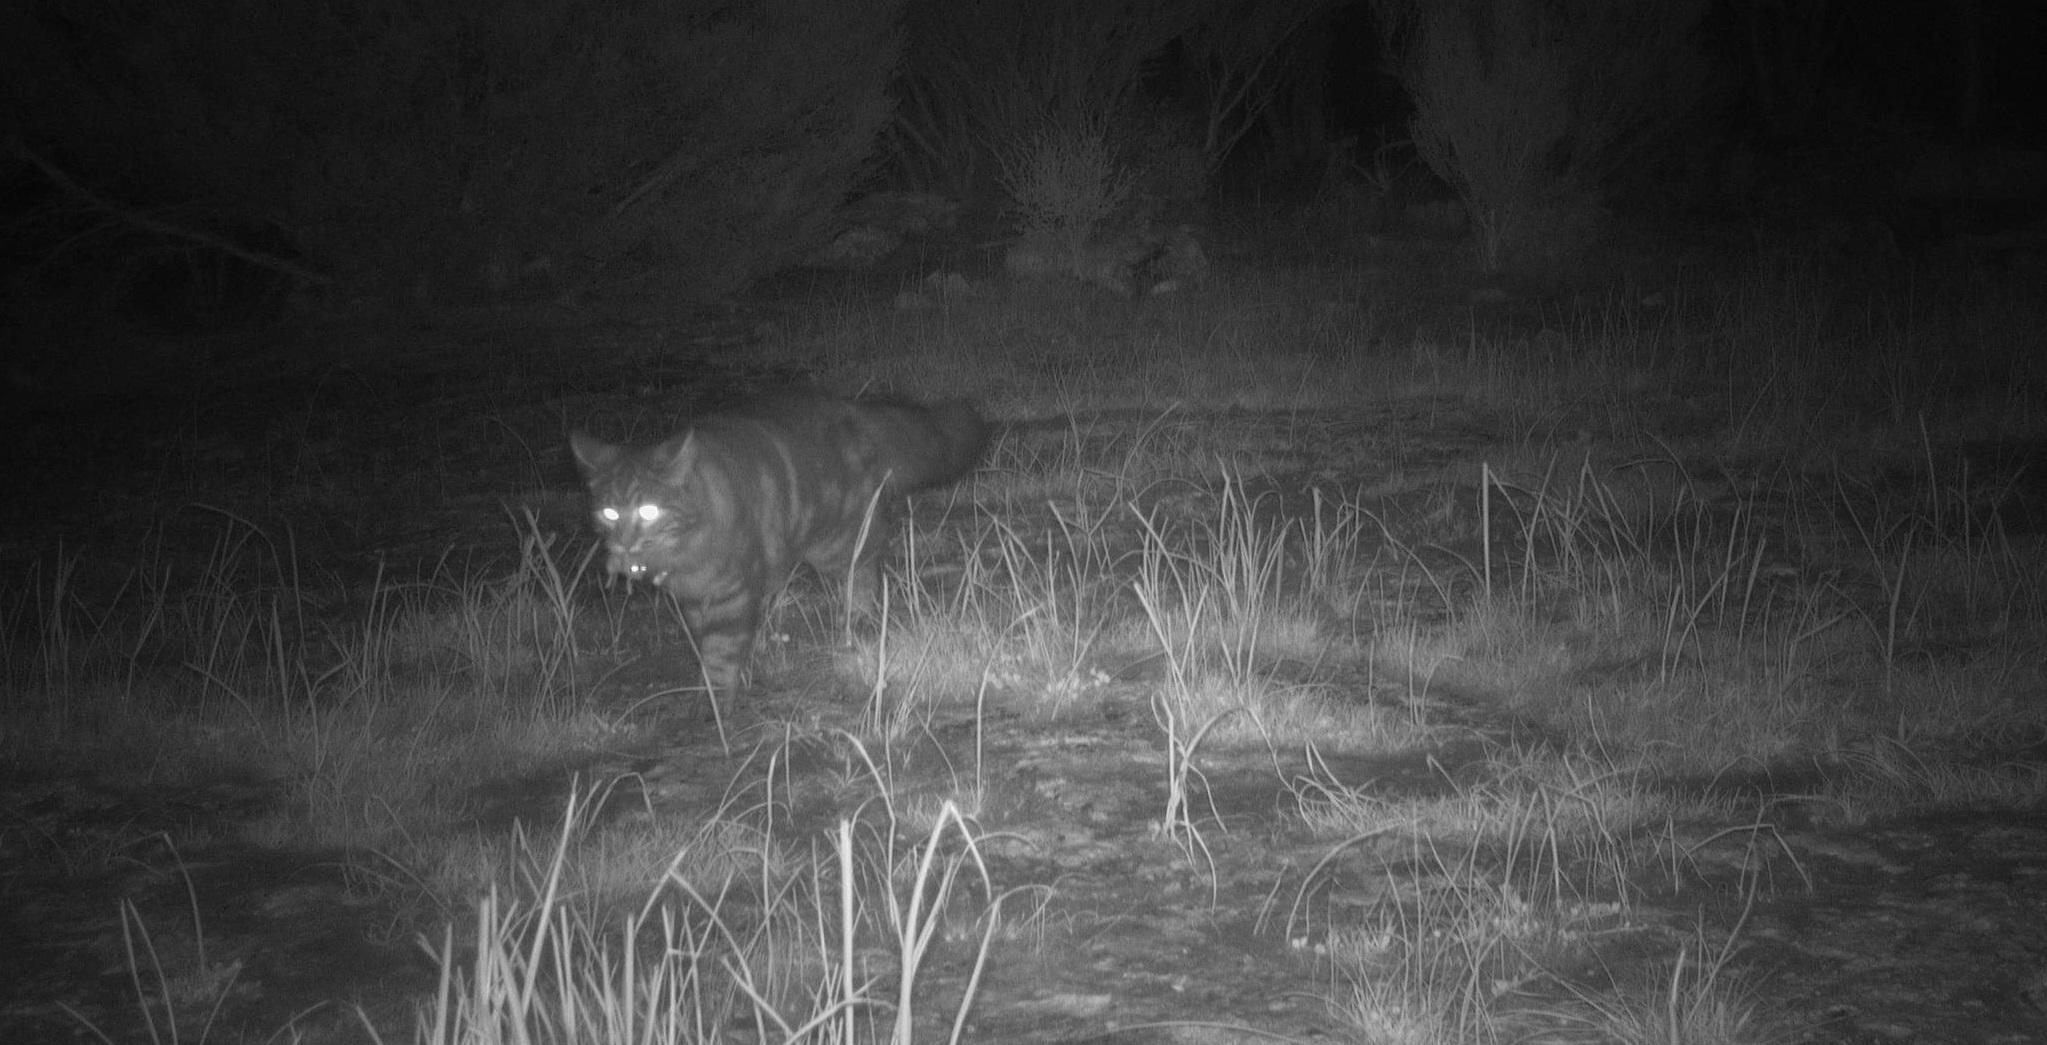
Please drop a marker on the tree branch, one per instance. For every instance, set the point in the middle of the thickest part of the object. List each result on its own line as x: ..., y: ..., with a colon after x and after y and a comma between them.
x: 163, y: 228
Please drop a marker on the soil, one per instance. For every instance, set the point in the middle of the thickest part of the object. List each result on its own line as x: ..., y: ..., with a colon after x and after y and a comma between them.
x: 1925, y: 930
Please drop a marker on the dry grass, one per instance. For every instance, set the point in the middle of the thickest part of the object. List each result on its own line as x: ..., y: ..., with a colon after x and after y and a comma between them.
x: 1657, y: 605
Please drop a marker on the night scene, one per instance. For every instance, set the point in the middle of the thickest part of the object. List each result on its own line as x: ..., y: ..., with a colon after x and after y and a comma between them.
x: 1074, y: 522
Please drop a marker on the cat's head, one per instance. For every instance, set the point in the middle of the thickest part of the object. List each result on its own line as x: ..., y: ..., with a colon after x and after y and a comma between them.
x: 642, y: 505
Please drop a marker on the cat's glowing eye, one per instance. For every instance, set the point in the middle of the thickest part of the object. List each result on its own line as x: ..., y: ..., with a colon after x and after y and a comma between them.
x: 609, y: 515
x: 648, y: 512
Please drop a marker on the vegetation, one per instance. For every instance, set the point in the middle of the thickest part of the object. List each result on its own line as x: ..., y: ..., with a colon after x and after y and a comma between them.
x: 1793, y: 569
x: 1525, y: 630
x: 422, y: 156
x: 1530, y: 109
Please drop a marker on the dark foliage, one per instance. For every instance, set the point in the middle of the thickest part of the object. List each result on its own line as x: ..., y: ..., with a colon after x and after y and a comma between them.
x: 430, y: 153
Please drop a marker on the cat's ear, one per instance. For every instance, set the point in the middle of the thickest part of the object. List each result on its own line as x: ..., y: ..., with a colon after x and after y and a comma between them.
x: 593, y: 455
x: 675, y: 457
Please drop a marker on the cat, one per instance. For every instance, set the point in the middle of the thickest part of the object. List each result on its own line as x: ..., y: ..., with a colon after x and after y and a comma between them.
x: 720, y: 514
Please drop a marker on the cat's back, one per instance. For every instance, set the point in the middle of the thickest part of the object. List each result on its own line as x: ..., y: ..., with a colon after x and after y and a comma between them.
x: 920, y: 444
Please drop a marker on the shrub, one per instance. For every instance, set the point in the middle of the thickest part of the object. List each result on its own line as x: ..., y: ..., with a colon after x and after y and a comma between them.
x: 431, y: 152
x: 989, y: 76
x: 1064, y: 181
x: 1528, y: 108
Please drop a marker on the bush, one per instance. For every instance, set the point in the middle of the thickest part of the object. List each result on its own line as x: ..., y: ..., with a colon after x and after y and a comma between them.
x: 991, y: 76
x: 1064, y: 182
x: 433, y: 152
x: 1529, y: 108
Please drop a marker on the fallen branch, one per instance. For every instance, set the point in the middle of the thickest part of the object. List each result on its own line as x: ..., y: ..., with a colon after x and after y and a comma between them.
x: 161, y: 227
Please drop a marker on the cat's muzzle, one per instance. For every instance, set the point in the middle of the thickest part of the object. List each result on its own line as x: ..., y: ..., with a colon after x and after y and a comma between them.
x: 633, y: 570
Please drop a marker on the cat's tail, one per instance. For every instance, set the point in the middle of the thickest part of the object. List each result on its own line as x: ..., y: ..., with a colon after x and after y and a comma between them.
x: 933, y: 445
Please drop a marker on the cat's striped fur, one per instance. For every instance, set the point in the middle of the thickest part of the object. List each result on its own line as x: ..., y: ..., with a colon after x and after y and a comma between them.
x: 720, y: 514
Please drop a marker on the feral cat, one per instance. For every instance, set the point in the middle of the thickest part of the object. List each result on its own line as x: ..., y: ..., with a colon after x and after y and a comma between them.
x: 720, y: 514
